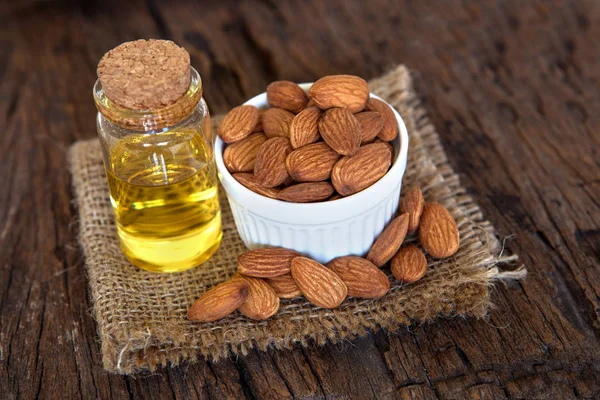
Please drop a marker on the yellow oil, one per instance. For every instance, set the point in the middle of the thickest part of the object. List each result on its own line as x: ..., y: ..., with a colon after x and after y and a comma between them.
x: 164, y: 193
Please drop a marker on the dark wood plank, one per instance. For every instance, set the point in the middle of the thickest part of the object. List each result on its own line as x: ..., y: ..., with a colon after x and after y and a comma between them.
x: 510, y: 86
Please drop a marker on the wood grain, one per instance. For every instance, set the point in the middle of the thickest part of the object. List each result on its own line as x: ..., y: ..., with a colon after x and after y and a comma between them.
x: 512, y: 88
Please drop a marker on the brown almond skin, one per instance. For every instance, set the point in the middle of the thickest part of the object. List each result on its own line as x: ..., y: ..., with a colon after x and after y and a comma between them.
x: 438, y: 232
x: 412, y: 203
x: 238, y: 123
x: 270, y: 169
x: 312, y: 163
x: 286, y: 95
x: 266, y: 263
x: 241, y: 156
x: 262, y: 301
x: 288, y: 182
x: 362, y: 278
x: 351, y: 174
x: 318, y: 284
x: 409, y: 264
x: 306, y: 192
x: 340, y: 130
x: 249, y: 181
x: 276, y: 122
x: 304, y: 128
x: 258, y: 127
x: 390, y: 124
x: 371, y: 123
x: 390, y: 240
x: 285, y: 287
x: 345, y: 91
x: 219, y: 302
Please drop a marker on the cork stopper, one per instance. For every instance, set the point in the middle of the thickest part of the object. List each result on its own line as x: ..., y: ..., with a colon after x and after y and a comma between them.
x: 145, y: 74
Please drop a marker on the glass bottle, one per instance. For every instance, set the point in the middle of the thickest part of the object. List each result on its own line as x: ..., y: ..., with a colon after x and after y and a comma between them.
x: 162, y: 178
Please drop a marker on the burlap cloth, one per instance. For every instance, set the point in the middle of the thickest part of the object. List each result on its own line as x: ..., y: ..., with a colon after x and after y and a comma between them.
x: 142, y: 316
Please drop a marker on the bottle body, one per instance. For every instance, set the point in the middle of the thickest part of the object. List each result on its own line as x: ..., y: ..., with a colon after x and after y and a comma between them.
x: 164, y: 191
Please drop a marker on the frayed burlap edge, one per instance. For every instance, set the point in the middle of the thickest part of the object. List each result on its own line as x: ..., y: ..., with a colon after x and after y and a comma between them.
x: 141, y: 316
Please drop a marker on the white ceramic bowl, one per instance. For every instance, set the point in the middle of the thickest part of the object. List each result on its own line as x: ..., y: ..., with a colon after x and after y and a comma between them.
x: 323, y: 230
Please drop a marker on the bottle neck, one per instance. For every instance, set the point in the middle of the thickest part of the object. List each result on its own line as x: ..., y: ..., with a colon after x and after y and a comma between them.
x: 150, y: 120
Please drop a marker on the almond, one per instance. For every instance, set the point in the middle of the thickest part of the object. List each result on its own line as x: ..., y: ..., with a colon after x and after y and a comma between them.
x: 362, y: 278
x: 241, y: 156
x: 286, y: 95
x: 311, y: 103
x: 335, y: 197
x: 270, y: 169
x: 312, y: 163
x: 390, y: 124
x: 305, y: 127
x: 340, y: 130
x: 276, y: 122
x: 345, y: 91
x: 285, y: 287
x: 412, y: 203
x: 306, y: 192
x: 258, y: 127
x: 262, y: 302
x: 390, y: 240
x: 409, y: 264
x: 388, y: 144
x: 266, y: 263
x: 371, y: 123
x: 319, y: 285
x: 438, y: 232
x: 249, y: 180
x: 351, y: 174
x: 219, y: 302
x: 238, y: 123
x: 288, y: 182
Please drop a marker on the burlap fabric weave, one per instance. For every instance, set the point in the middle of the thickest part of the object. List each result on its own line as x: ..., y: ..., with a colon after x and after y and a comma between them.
x: 142, y: 316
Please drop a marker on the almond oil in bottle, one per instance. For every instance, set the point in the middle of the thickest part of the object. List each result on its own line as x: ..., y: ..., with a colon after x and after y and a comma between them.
x: 157, y: 144
x: 165, y: 197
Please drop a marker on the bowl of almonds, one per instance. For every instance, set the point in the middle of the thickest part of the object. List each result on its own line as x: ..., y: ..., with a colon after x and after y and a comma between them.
x: 314, y: 167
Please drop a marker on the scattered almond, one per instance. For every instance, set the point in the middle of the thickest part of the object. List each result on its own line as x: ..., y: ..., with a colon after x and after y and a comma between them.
x: 351, y: 174
x: 390, y: 124
x: 262, y: 302
x: 319, y: 285
x: 219, y: 302
x: 276, y: 122
x: 409, y: 264
x: 340, y: 130
x: 238, y: 123
x: 412, y: 203
x: 438, y: 232
x: 304, y: 128
x: 371, y: 123
x: 311, y: 163
x: 286, y: 95
x: 270, y: 169
x: 285, y: 287
x: 306, y: 192
x: 390, y: 240
x: 345, y: 91
x: 241, y: 155
x: 266, y: 263
x: 362, y: 278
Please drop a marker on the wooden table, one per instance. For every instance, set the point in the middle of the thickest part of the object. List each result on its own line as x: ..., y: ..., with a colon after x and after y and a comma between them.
x: 513, y: 89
